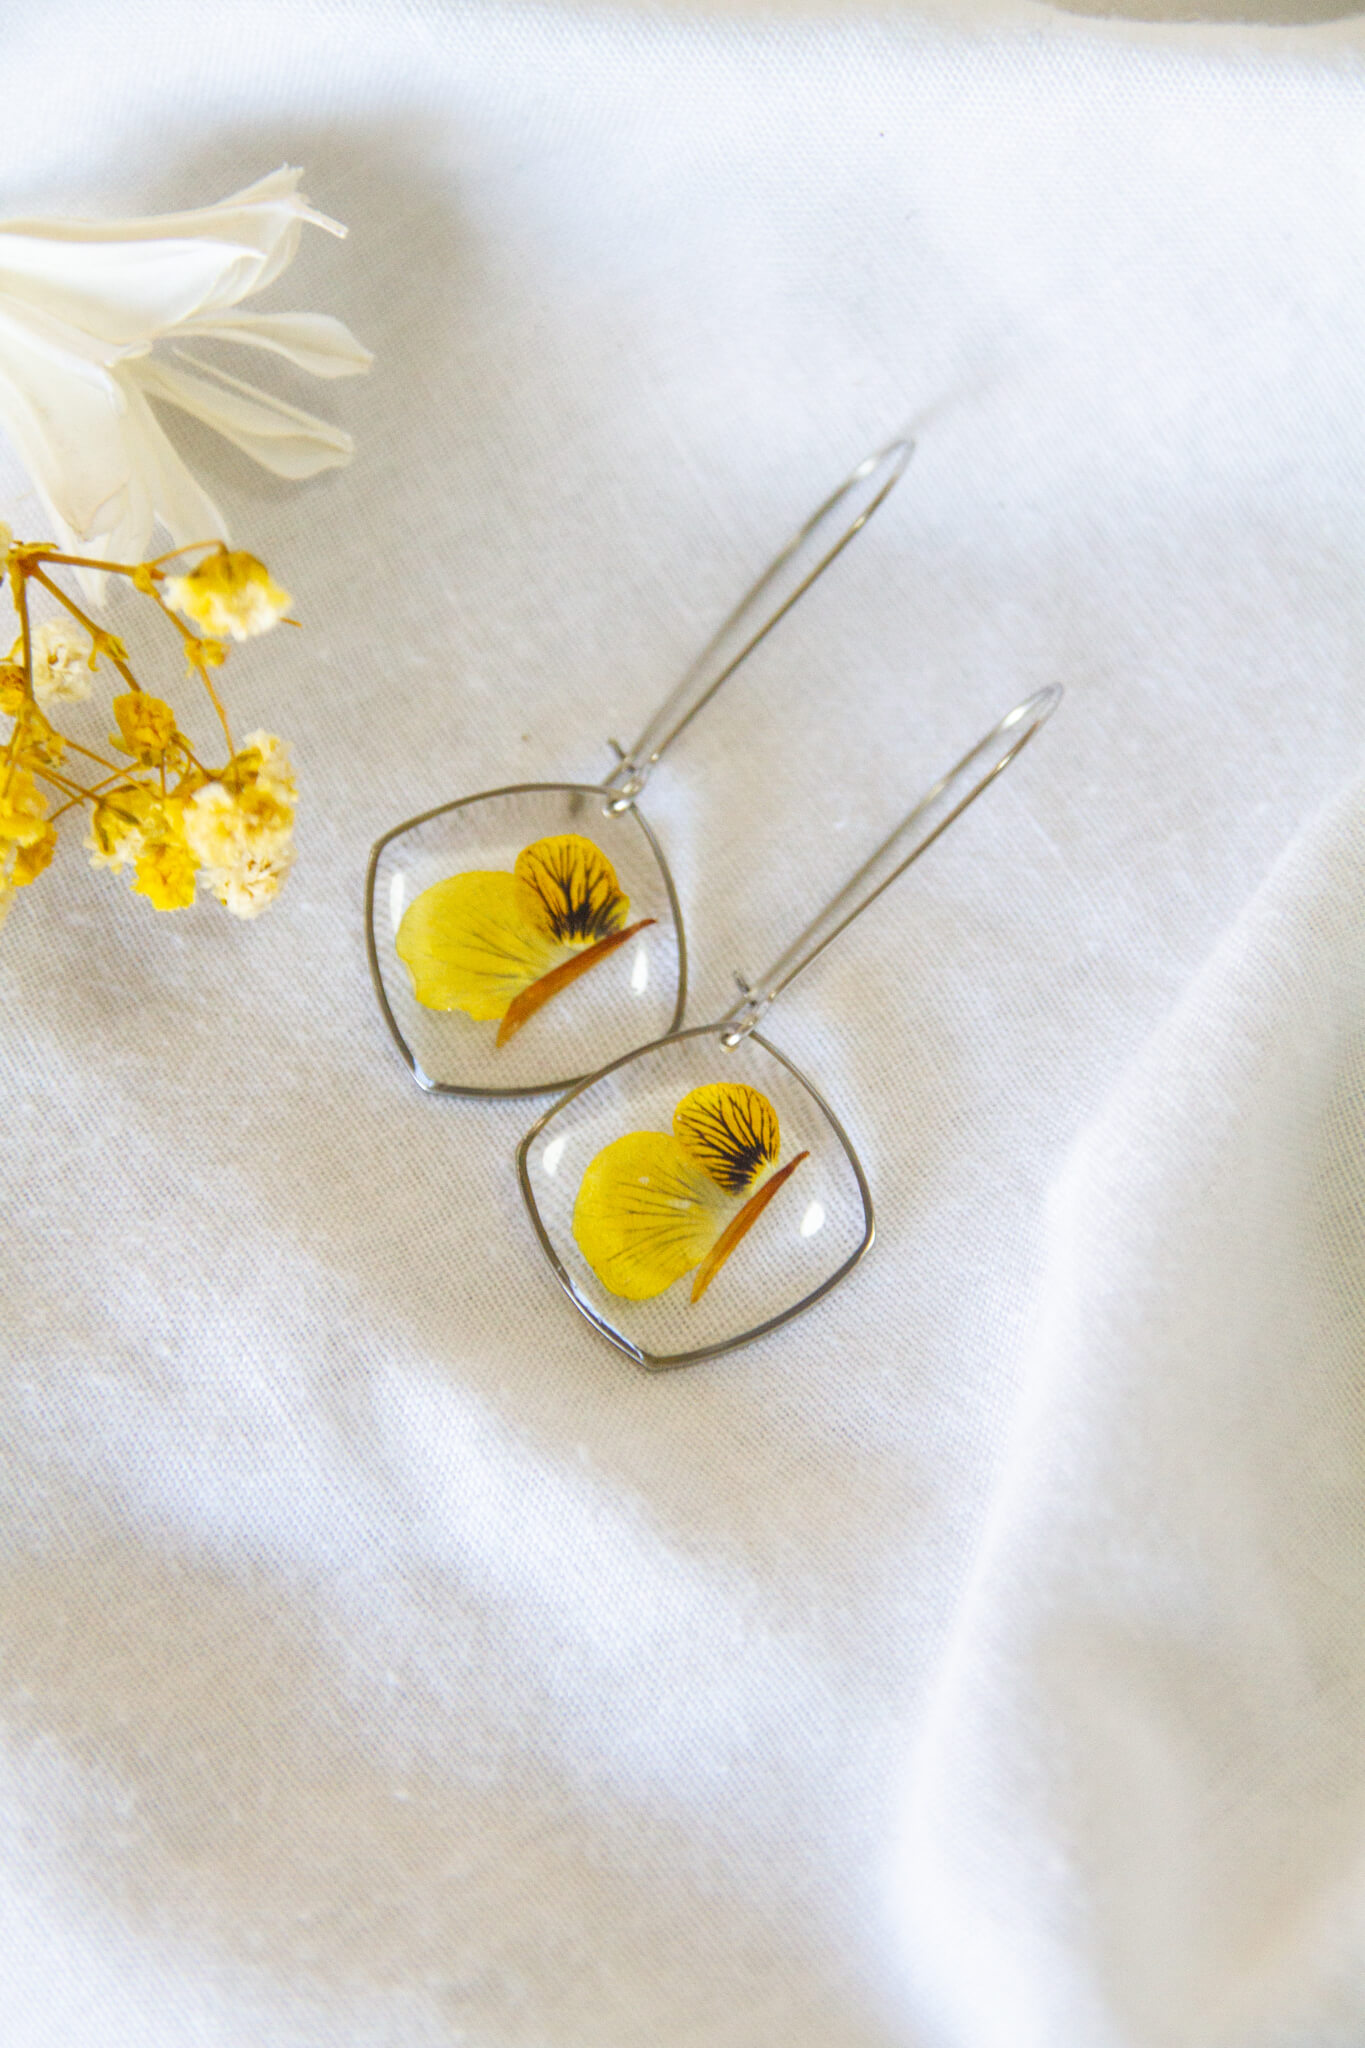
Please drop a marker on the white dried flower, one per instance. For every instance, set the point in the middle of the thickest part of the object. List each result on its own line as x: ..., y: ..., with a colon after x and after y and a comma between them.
x: 61, y: 662
x: 81, y: 305
x: 242, y: 831
x: 248, y: 889
x: 275, y: 767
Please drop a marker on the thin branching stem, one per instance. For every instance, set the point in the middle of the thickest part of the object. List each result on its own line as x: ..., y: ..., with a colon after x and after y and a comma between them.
x: 194, y: 650
x: 103, y: 642
x: 26, y: 642
x: 90, y: 755
x: 54, y: 558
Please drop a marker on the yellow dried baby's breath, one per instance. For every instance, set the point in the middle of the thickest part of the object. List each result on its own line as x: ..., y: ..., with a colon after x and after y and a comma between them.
x: 163, y: 812
x: 229, y: 595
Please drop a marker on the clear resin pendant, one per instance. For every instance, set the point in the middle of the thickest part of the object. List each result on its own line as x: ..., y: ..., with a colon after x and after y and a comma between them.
x: 700, y: 1191
x: 522, y: 938
x: 694, y: 1196
x: 519, y: 937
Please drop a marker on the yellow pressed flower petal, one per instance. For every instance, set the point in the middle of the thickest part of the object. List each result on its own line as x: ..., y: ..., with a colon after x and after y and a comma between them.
x: 731, y: 1131
x: 645, y: 1215
x: 569, y: 888
x: 468, y: 946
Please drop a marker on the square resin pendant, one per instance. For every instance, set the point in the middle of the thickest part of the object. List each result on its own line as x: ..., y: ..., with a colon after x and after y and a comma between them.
x: 525, y: 937
x: 521, y: 938
x: 695, y: 1195
x: 700, y: 1192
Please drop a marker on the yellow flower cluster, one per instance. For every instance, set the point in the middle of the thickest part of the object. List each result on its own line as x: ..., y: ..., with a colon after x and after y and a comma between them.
x: 240, y: 828
x: 162, y: 812
x: 229, y: 596
x: 27, y: 839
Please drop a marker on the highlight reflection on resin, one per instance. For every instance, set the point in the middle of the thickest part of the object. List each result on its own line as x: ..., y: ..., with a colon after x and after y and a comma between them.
x: 500, y: 945
x: 654, y: 1206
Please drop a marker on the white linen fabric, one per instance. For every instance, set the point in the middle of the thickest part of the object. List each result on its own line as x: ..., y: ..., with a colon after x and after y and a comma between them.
x: 977, y: 1661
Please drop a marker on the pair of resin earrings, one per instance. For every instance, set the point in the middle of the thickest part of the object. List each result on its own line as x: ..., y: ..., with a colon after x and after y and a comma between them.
x: 690, y: 1188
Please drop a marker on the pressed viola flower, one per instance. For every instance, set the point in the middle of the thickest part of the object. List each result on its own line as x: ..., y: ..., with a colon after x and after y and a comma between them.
x: 229, y: 595
x: 654, y: 1206
x: 499, y: 945
x: 82, y: 306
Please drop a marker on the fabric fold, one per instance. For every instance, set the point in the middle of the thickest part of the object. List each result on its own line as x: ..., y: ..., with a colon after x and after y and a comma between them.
x: 1137, y: 1814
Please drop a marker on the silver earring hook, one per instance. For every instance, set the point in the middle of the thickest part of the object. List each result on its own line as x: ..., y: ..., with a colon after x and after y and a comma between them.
x: 864, y: 490
x: 932, y: 815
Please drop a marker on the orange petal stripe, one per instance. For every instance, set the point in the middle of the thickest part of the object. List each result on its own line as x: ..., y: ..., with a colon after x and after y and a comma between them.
x: 740, y: 1226
x: 531, y: 999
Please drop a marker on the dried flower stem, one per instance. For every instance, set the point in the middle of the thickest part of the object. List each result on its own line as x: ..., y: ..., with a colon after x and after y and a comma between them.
x: 26, y: 640
x: 103, y: 642
x: 144, y: 575
x: 163, y: 812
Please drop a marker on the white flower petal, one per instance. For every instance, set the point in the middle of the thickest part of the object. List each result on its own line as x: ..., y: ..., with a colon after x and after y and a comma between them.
x: 65, y: 416
x: 81, y: 304
x: 260, y: 215
x: 131, y: 279
x: 126, y: 539
x: 282, y: 438
x: 125, y: 292
x: 314, y: 341
x: 179, y: 500
x: 86, y: 354
x: 163, y: 491
x: 276, y: 199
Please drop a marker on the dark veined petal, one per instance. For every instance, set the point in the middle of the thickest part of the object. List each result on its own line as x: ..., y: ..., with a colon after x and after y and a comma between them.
x: 570, y: 889
x: 468, y: 944
x: 645, y: 1215
x: 731, y: 1131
